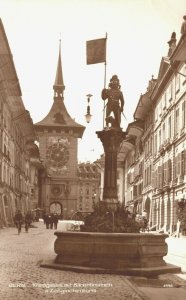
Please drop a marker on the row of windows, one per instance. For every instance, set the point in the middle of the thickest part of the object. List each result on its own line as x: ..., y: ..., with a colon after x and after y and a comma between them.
x: 180, y: 164
x: 11, y: 130
x: 87, y: 175
x: 148, y: 146
x: 88, y: 190
x: 167, y: 129
x: 137, y: 190
x: 138, y: 171
x: 86, y: 204
x: 169, y: 94
x: 163, y: 174
x: 20, y: 162
x: 147, y: 175
x: 7, y: 176
x: 14, y: 154
x: 148, y: 121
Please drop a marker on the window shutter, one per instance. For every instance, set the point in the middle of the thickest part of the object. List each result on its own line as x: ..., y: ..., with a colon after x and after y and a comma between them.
x: 179, y: 164
x: 169, y: 171
x: 128, y: 179
x: 175, y: 167
x: 131, y: 177
x: 153, y: 178
x: 159, y: 177
x: 177, y: 82
x: 135, y: 190
x: 150, y: 174
x: 169, y: 93
x: 182, y: 163
x: 140, y: 168
x: 136, y: 168
x: 162, y: 174
x: 147, y: 175
x: 165, y: 173
x: 157, y: 183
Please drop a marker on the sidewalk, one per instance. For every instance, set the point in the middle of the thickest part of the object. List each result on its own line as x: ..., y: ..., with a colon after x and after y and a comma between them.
x: 177, y: 252
x: 165, y: 287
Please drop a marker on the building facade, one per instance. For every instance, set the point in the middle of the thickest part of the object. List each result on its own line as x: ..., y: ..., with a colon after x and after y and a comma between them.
x: 14, y: 138
x: 88, y: 186
x: 163, y: 142
x: 169, y: 141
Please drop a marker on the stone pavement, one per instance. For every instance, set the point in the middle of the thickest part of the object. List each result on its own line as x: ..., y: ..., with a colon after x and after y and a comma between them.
x: 21, y: 276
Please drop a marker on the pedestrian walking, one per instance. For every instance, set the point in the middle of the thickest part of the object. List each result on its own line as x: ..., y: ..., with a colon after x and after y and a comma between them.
x: 28, y: 220
x: 55, y: 218
x: 44, y: 218
x: 18, y: 220
x: 47, y: 221
x: 51, y: 221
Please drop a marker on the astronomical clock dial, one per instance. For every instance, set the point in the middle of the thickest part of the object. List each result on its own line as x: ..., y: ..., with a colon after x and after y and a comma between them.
x: 57, y: 155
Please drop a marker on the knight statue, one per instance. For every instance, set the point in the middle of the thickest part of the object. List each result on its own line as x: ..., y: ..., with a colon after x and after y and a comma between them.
x: 115, y: 102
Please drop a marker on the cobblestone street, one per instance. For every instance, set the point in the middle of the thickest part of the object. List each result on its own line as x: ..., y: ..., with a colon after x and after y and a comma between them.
x: 20, y: 256
x: 22, y: 277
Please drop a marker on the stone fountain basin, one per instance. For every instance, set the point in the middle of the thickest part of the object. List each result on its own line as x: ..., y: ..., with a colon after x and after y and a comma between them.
x: 139, y: 254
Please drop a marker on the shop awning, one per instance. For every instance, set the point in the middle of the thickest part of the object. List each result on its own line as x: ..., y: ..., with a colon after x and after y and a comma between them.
x: 143, y: 107
x: 135, y: 128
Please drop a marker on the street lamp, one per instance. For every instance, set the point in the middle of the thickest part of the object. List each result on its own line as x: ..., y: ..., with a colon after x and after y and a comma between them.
x: 88, y: 115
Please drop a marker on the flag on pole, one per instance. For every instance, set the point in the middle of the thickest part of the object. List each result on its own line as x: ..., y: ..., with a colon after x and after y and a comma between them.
x: 96, y: 51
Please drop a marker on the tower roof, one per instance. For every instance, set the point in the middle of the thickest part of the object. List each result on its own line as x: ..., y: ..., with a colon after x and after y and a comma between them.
x: 59, y: 84
x: 58, y: 117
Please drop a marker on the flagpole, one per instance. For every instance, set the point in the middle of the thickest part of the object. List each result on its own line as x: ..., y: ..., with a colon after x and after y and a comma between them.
x: 105, y: 78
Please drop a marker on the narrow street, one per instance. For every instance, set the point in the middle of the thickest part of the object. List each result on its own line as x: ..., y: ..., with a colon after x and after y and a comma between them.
x: 22, y: 277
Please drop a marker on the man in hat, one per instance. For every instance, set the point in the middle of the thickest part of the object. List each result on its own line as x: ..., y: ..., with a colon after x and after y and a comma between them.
x: 183, y: 26
x: 18, y: 220
x: 115, y: 102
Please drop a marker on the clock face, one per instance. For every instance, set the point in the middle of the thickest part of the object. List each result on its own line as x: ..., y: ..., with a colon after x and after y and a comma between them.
x: 57, y: 155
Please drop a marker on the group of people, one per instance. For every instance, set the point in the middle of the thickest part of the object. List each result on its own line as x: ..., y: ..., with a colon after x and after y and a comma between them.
x: 20, y: 219
x: 142, y: 220
x: 51, y: 220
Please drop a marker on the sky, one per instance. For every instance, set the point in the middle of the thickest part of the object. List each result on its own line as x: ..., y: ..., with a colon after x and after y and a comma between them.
x: 137, y: 36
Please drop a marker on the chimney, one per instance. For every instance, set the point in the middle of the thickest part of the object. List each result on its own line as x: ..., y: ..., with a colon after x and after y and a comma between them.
x: 172, y: 44
x: 152, y: 83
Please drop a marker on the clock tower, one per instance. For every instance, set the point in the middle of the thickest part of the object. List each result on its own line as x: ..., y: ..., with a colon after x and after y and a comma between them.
x: 58, y: 135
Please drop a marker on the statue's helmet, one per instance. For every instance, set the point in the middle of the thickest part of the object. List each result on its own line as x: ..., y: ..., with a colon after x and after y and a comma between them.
x: 114, y: 81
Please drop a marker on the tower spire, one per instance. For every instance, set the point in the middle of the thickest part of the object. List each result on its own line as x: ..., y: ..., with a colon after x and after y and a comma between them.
x: 59, y: 84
